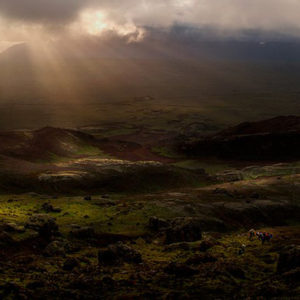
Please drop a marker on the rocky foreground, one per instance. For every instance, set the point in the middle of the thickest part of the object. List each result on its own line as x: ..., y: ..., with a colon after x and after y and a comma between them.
x: 181, y: 244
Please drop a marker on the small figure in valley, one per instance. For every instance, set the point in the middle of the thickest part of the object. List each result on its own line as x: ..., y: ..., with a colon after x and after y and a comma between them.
x: 268, y: 237
x: 251, y: 234
x: 263, y: 238
x: 259, y: 235
x: 242, y: 249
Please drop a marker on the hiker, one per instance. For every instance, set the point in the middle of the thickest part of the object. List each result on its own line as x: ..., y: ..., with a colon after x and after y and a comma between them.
x: 268, y: 237
x: 263, y: 238
x: 259, y: 235
x: 251, y: 234
x: 242, y: 249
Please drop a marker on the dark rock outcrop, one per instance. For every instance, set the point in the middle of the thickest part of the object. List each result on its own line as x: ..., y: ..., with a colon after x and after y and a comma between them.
x: 70, y: 264
x: 13, y: 227
x: 157, y: 224
x: 184, y: 230
x: 83, y: 232
x: 289, y: 259
x: 273, y: 139
x: 55, y: 248
x: 48, y: 208
x: 118, y: 253
x: 45, y: 225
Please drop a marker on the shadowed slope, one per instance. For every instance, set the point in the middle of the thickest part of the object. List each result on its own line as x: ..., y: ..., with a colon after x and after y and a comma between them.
x: 272, y: 140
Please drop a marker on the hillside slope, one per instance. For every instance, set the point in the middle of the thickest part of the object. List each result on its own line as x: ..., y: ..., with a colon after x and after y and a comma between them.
x: 272, y: 140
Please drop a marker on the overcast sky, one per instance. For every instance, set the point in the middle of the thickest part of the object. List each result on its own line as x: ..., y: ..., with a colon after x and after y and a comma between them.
x: 26, y: 19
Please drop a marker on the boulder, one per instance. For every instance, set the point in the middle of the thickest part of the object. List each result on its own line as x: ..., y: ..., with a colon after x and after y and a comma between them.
x: 184, y: 230
x: 157, y: 224
x: 289, y: 259
x: 83, y: 232
x: 48, y: 207
x: 70, y: 264
x: 13, y: 227
x: 118, y: 253
x: 205, y: 245
x: 55, y: 248
x: 45, y: 225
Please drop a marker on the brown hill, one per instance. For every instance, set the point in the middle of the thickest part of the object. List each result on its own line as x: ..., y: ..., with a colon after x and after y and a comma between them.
x: 274, y: 139
x: 274, y: 125
x: 42, y: 143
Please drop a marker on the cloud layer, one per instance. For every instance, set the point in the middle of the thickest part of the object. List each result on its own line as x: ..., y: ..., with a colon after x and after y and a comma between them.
x: 19, y: 18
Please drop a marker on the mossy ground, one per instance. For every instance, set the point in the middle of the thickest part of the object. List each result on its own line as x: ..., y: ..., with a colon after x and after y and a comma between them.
x: 229, y: 275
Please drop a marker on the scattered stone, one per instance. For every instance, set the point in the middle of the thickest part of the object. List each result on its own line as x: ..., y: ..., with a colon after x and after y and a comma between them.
x: 13, y: 227
x: 205, y: 245
x: 157, y: 224
x: 55, y: 248
x: 118, y: 253
x: 48, y: 208
x: 184, y: 230
x: 70, y: 264
x: 289, y: 259
x: 45, y: 225
x: 83, y: 232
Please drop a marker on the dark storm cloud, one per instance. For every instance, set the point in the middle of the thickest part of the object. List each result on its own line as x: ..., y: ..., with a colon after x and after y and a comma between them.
x: 224, y: 16
x: 41, y: 10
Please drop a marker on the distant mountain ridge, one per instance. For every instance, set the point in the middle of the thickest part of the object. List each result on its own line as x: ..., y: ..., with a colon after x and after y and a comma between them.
x: 275, y: 139
x: 275, y: 125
